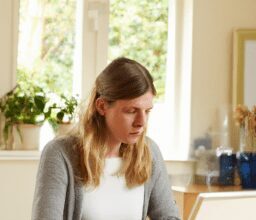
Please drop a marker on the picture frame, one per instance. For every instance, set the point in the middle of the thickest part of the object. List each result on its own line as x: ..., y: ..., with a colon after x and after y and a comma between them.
x: 244, y: 67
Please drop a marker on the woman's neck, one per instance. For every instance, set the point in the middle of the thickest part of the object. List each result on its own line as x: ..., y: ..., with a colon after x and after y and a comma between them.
x: 113, y: 149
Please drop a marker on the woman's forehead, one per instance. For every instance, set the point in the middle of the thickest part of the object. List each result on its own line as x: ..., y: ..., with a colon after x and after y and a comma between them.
x: 143, y: 101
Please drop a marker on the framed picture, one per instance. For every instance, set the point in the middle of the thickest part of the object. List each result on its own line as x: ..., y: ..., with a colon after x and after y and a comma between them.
x: 244, y: 67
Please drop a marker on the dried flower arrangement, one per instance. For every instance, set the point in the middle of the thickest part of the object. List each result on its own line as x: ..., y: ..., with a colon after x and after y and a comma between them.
x: 246, y: 120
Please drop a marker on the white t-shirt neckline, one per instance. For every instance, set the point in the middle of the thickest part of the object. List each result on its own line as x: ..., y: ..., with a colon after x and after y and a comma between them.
x: 112, y: 199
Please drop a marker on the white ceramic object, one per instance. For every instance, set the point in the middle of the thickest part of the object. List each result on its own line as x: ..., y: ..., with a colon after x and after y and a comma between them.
x: 26, y: 137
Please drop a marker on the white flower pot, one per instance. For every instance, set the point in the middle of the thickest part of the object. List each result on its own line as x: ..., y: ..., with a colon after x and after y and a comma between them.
x: 26, y: 137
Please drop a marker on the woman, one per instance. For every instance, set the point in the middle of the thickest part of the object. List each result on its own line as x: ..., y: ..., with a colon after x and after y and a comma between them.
x: 107, y: 168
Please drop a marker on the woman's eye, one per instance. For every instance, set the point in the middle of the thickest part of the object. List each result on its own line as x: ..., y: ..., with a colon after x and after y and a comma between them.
x: 148, y: 111
x: 131, y: 111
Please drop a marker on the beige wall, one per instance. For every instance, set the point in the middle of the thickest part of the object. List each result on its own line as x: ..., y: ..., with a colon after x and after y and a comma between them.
x: 5, y: 45
x: 17, y: 184
x: 214, y: 21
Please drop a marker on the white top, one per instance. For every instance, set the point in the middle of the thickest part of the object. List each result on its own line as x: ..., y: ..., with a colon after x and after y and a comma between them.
x: 112, y: 199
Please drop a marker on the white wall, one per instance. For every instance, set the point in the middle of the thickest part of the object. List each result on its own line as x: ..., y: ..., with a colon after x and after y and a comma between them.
x: 6, y: 40
x: 213, y: 23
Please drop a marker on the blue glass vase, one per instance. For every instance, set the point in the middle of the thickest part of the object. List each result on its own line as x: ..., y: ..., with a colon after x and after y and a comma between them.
x: 253, y: 170
x: 244, y: 167
x: 227, y: 169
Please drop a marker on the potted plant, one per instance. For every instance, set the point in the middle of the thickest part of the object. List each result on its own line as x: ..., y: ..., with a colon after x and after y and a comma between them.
x: 246, y: 120
x: 62, y: 113
x: 24, y: 112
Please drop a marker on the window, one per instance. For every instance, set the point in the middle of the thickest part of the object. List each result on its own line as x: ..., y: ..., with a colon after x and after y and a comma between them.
x: 46, y: 48
x: 139, y: 30
x: 46, y: 43
x: 87, y: 34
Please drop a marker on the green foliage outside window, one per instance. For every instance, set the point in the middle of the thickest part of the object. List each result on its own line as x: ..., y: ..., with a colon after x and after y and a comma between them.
x: 138, y: 30
x: 49, y: 43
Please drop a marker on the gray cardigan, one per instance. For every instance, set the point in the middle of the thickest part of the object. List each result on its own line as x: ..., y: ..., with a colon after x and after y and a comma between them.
x: 59, y: 196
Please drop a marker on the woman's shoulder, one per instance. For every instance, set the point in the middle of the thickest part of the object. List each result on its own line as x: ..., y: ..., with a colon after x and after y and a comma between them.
x: 61, y: 146
x: 155, y: 151
x: 157, y: 158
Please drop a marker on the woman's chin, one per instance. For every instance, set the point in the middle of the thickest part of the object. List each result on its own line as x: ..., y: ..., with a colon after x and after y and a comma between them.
x: 133, y: 139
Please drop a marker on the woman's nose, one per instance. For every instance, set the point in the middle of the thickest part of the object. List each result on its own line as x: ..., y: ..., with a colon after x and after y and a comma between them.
x: 140, y: 120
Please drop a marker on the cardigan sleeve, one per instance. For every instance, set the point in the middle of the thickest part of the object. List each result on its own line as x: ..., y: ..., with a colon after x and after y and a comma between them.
x: 162, y: 205
x: 51, y: 185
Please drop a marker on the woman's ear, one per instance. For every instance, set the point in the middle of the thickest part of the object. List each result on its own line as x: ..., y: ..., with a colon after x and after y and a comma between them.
x: 100, y: 105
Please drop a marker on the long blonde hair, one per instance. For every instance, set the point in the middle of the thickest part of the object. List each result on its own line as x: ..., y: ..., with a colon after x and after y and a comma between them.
x: 121, y: 79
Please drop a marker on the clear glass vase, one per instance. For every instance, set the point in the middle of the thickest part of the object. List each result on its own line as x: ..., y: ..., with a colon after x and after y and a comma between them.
x: 242, y: 139
x: 246, y: 138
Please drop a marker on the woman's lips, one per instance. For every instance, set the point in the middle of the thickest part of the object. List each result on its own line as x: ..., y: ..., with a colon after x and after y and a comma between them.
x: 136, y: 133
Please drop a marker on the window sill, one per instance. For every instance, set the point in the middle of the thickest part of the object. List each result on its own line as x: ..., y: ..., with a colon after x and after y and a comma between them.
x: 19, y: 155
x: 35, y: 155
x: 189, y: 160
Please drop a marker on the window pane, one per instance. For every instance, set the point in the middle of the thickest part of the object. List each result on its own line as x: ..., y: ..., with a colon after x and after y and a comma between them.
x: 46, y: 43
x: 138, y: 30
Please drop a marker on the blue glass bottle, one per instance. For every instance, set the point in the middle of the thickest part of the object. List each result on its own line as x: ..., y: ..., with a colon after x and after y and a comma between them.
x: 227, y: 169
x: 244, y: 165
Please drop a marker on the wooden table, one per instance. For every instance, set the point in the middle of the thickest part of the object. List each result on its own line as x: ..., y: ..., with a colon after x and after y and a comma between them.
x: 186, y: 196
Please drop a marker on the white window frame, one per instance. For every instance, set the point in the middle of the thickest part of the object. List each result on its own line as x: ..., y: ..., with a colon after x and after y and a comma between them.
x: 175, y: 125
x: 15, y: 33
x: 92, y: 38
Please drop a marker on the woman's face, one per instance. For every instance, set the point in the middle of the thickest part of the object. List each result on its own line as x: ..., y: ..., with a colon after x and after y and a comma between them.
x: 126, y: 119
